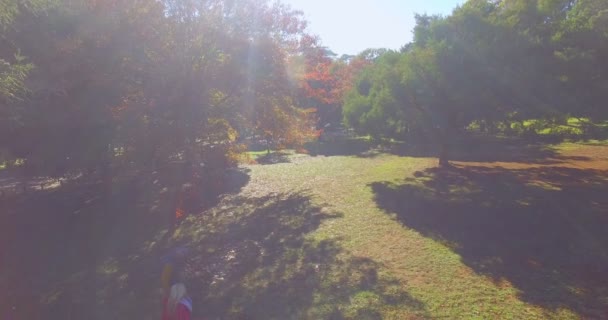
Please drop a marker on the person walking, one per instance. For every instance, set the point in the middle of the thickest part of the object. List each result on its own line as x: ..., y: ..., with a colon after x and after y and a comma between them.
x: 177, y: 305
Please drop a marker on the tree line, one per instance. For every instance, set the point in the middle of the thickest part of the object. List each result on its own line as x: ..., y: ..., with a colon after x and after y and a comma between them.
x: 99, y: 85
x: 92, y: 85
x: 488, y: 63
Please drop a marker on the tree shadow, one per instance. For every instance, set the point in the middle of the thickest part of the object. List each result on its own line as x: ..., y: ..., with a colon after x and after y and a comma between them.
x: 65, y: 257
x: 339, y: 147
x: 83, y: 252
x: 235, y: 179
x: 488, y: 149
x: 274, y: 158
x: 464, y: 149
x: 541, y: 229
x: 254, y: 259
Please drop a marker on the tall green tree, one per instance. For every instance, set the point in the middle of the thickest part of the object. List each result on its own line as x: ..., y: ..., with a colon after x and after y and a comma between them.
x: 489, y: 61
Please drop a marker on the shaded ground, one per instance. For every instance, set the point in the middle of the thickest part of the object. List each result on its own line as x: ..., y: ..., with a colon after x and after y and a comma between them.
x: 70, y: 254
x: 471, y: 149
x: 514, y: 235
x: 273, y: 158
x: 541, y: 229
x: 340, y: 147
x: 259, y: 262
x: 75, y: 252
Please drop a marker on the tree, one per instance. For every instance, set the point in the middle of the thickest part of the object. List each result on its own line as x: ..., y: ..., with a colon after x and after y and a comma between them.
x: 14, y: 67
x: 486, y: 62
x: 136, y: 84
x: 324, y: 80
x: 581, y: 43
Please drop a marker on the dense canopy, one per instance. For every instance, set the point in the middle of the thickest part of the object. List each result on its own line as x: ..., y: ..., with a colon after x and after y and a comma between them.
x: 487, y: 63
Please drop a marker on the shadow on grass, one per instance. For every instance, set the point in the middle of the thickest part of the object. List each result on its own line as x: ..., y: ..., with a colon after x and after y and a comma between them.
x: 65, y: 249
x: 489, y: 149
x: 339, y: 147
x: 80, y: 252
x: 541, y: 229
x: 72, y: 255
x: 471, y: 149
x: 274, y: 158
x: 254, y: 259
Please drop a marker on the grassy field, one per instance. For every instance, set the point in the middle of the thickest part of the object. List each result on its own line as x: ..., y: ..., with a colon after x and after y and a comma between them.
x: 515, y: 234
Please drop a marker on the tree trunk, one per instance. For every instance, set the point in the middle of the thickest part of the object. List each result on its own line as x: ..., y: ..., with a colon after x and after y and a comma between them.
x: 445, y: 136
x: 443, y: 155
x: 268, y: 138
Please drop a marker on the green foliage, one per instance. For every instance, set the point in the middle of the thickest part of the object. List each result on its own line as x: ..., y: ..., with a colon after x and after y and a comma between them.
x: 159, y: 80
x: 12, y: 77
x: 10, y: 9
x: 13, y: 66
x: 485, y: 63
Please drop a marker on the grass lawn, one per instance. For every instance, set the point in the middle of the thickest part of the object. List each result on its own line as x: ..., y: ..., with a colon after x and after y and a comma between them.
x: 256, y: 154
x: 375, y: 236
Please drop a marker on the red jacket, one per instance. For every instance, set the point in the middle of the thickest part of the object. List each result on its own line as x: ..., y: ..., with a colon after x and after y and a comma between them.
x: 183, y: 310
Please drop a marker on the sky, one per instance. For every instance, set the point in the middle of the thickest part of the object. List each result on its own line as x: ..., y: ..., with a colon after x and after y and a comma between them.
x: 351, y: 26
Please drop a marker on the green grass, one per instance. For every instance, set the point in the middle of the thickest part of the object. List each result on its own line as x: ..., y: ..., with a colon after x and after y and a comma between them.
x: 427, y: 270
x: 255, y: 154
x: 417, y: 272
x: 350, y: 237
